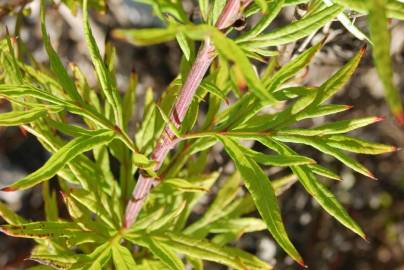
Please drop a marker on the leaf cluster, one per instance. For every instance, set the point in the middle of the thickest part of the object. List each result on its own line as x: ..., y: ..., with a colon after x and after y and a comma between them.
x: 88, y: 128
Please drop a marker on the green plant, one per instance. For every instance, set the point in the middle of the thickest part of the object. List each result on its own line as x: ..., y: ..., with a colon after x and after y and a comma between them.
x: 100, y: 233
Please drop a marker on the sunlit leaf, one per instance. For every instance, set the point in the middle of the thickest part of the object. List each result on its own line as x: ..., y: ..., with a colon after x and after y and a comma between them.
x: 322, y: 195
x: 122, y: 257
x: 380, y: 35
x: 59, y: 159
x: 263, y: 194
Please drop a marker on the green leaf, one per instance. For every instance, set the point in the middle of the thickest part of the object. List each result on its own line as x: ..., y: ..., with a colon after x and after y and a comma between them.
x: 129, y: 99
x: 322, y: 110
x: 144, y: 37
x: 231, y: 51
x: 380, y: 35
x: 184, y: 45
x: 356, y: 145
x: 263, y: 194
x: 144, y: 222
x: 56, y: 64
x: 322, y: 195
x: 145, y: 134
x: 237, y: 225
x: 337, y: 127
x: 169, y: 123
x: 168, y: 218
x: 12, y: 70
x: 205, y: 250
x: 96, y: 204
x: 281, y: 160
x: 164, y: 252
x: 277, y: 160
x: 290, y: 69
x: 395, y: 9
x: 357, y: 5
x: 326, y: 199
x: 150, y: 264
x: 50, y: 203
x: 182, y: 185
x: 226, y: 195
x: 273, y: 8
x: 213, y: 89
x: 9, y: 216
x: 323, y: 171
x: 85, y: 218
x: 339, y: 79
x: 321, y: 145
x: 11, y: 91
x: 53, y: 261
x: 39, y: 230
x: 298, y: 29
x: 348, y: 24
x: 96, y: 260
x: 292, y: 92
x: 122, y: 257
x: 59, y: 159
x: 104, y: 76
x: 262, y: 4
x: 16, y: 118
x: 247, y: 106
x: 204, y: 8
x: 217, y: 8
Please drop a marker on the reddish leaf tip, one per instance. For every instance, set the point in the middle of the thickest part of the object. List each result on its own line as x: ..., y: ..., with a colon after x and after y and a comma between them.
x: 8, y: 189
x: 379, y: 118
x: 349, y: 106
x: 372, y: 176
x: 23, y: 131
x: 363, y: 49
x: 400, y: 118
x: 301, y: 263
x: 366, y: 238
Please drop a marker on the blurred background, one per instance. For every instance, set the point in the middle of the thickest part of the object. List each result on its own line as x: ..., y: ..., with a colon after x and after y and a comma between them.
x: 378, y: 206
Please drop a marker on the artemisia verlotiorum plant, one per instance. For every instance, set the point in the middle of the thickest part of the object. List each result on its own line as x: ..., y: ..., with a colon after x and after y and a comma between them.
x: 155, y: 231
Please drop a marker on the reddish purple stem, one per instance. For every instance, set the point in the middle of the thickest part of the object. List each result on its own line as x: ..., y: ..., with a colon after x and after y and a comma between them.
x: 167, y: 139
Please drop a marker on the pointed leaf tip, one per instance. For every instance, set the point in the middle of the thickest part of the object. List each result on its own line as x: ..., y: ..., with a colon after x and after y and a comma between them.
x: 8, y: 189
x: 379, y: 118
x: 349, y: 106
x: 302, y: 264
x: 366, y: 238
x: 372, y: 176
x: 23, y: 131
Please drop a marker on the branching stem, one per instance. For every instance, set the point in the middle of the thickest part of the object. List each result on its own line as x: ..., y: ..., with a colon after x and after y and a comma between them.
x: 167, y: 140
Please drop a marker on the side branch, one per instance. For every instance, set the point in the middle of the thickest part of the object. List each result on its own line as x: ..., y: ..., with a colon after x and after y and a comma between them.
x: 167, y: 140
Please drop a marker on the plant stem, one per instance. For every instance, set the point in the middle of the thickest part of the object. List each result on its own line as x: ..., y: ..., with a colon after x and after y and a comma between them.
x: 167, y: 140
